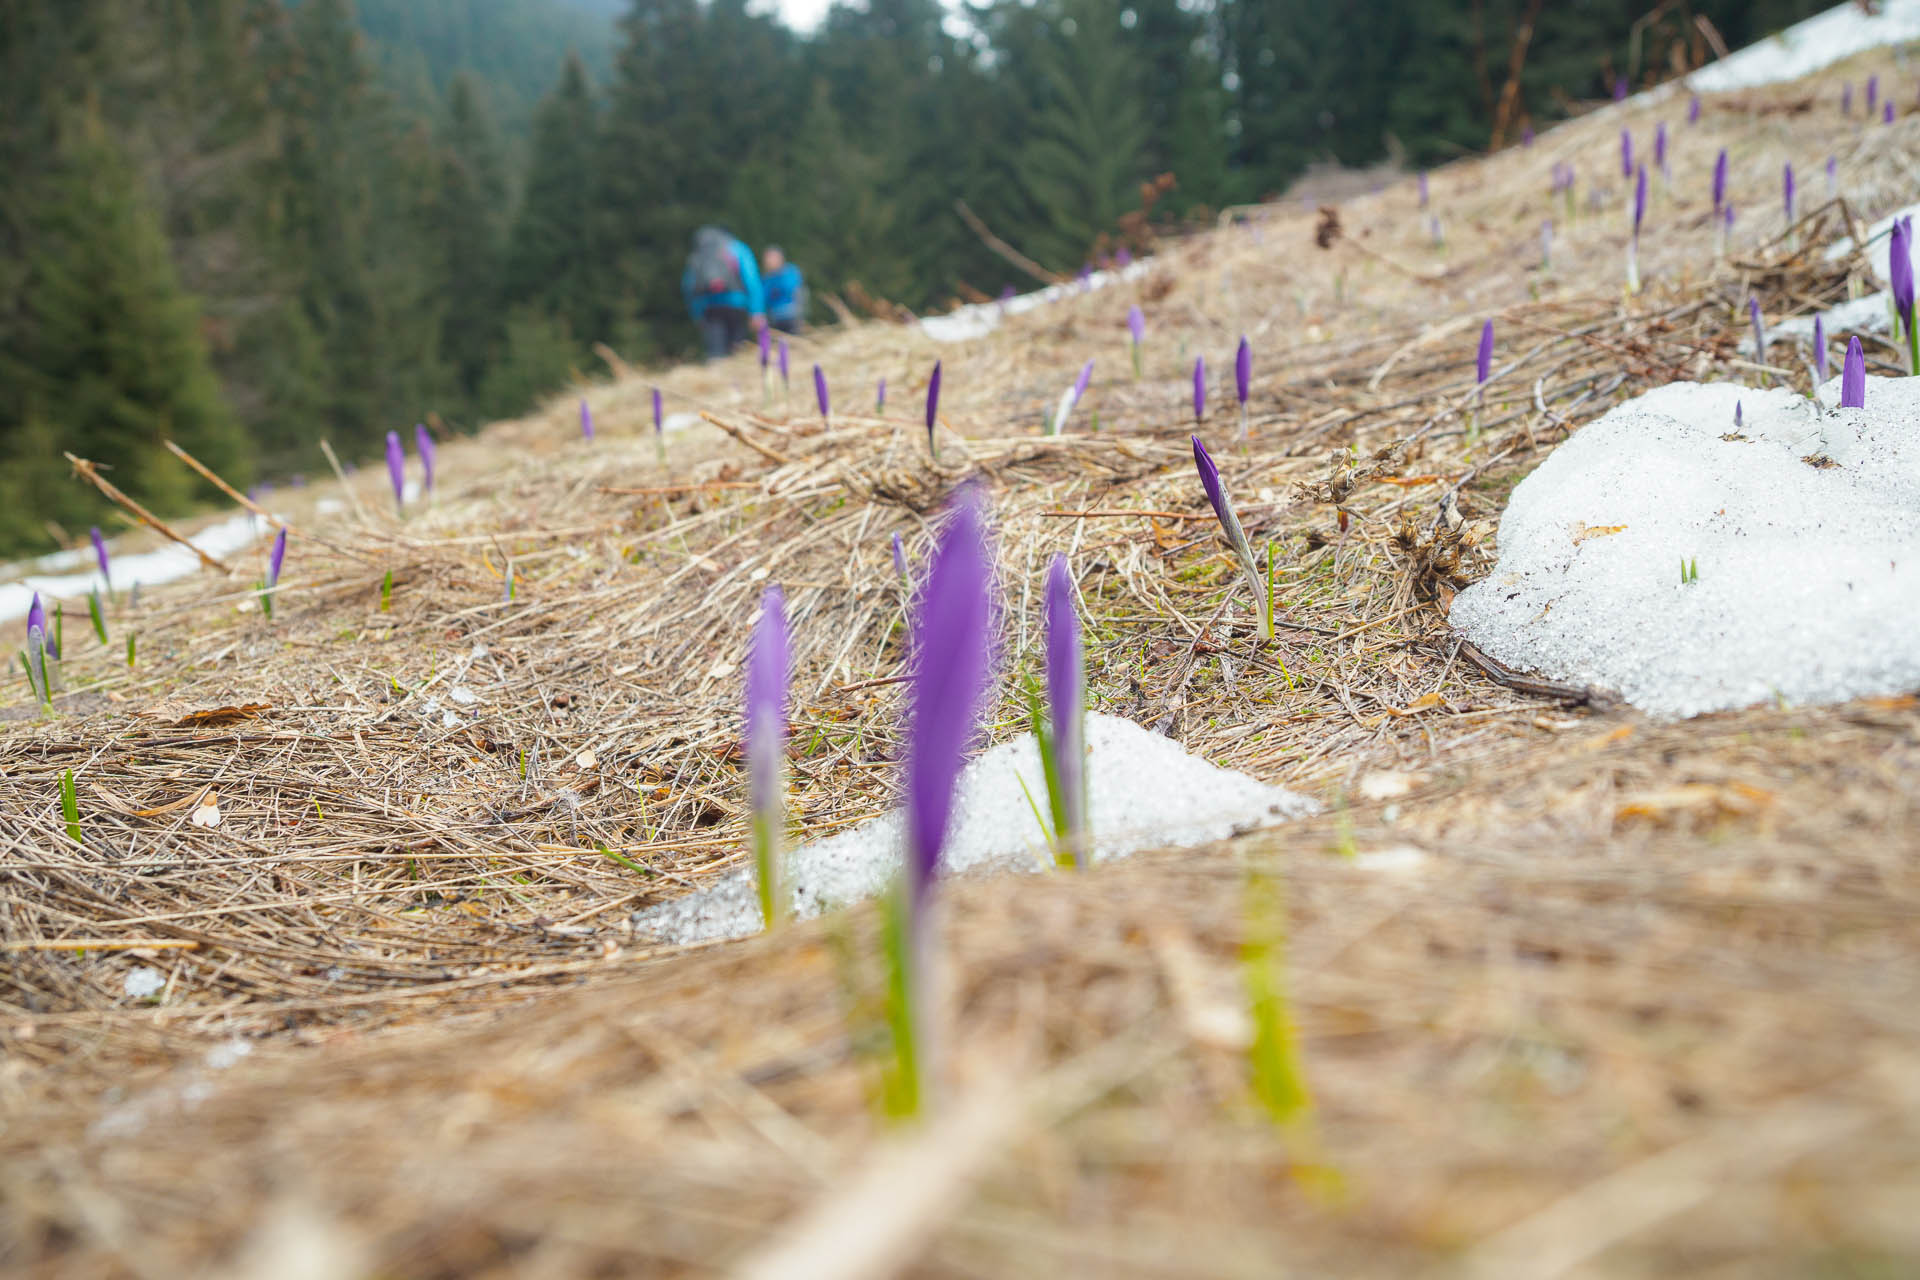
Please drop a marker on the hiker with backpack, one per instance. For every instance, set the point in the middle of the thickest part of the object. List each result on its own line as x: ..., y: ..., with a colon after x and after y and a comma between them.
x: 786, y: 291
x: 723, y: 291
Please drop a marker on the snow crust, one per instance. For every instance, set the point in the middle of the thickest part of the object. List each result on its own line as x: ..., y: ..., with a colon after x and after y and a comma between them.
x: 1805, y: 525
x: 978, y: 319
x: 149, y: 568
x: 1808, y: 46
x: 1143, y: 790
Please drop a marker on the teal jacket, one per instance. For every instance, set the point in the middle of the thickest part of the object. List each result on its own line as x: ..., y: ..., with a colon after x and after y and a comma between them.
x: 785, y: 292
x: 750, y: 298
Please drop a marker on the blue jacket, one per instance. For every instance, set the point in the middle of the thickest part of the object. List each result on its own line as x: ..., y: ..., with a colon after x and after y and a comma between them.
x: 753, y: 300
x: 784, y: 290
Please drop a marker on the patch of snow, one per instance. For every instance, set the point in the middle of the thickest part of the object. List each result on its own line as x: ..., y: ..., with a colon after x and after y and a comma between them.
x: 143, y: 982
x: 679, y: 422
x: 978, y: 319
x: 1805, y: 525
x: 1879, y: 244
x: 170, y: 562
x: 1144, y: 792
x: 1808, y: 46
x: 1871, y: 314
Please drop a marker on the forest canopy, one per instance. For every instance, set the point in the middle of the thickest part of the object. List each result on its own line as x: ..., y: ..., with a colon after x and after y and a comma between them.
x: 249, y: 225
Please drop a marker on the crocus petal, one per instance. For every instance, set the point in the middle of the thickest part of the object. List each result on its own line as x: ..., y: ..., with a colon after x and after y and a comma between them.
x: 1066, y: 702
x: 783, y: 359
x: 1786, y: 189
x: 397, y: 467
x: 820, y: 389
x: 1759, y: 330
x: 36, y: 614
x: 933, y: 401
x: 277, y: 559
x: 951, y: 655
x: 1483, y: 361
x: 1693, y: 109
x: 880, y: 397
x: 1242, y: 369
x: 424, y: 441
x: 1639, y: 197
x: 659, y: 427
x: 1199, y: 388
x: 1136, y: 324
x: 767, y: 681
x: 100, y: 552
x: 1819, y: 349
x: 1720, y: 180
x: 586, y: 419
x: 899, y: 558
x: 1080, y: 383
x: 1853, y: 377
x: 1626, y: 153
x: 766, y: 346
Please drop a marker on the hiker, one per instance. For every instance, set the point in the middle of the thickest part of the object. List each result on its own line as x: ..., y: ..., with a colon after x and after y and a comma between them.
x: 786, y: 291
x: 722, y: 287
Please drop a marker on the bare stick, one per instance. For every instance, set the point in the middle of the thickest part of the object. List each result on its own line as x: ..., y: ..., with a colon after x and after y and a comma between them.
x: 1004, y: 249
x: 341, y: 475
x: 771, y: 455
x: 87, y: 472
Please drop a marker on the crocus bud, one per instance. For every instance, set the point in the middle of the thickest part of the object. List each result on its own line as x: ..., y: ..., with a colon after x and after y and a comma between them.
x: 1853, y: 377
x: 1819, y: 349
x: 397, y: 469
x: 586, y: 419
x: 1199, y: 388
x: 100, y: 554
x: 933, y: 404
x: 423, y: 440
x: 1720, y: 181
x: 820, y: 389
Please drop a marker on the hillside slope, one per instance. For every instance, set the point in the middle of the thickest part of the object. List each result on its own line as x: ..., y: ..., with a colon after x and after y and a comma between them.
x: 1577, y: 993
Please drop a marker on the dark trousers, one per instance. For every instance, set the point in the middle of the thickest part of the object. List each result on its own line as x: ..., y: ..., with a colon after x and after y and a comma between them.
x: 722, y: 329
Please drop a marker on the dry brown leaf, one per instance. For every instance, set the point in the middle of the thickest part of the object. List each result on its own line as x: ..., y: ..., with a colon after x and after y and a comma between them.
x: 221, y: 715
x: 1695, y: 800
x: 1582, y: 531
x: 204, y: 793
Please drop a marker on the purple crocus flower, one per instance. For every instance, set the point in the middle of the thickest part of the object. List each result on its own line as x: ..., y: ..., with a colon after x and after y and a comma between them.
x: 1693, y: 109
x: 1660, y: 147
x: 1071, y: 397
x: 1873, y: 93
x: 1739, y: 409
x: 1853, y: 377
x: 423, y: 440
x: 1720, y: 181
x: 900, y: 560
x: 36, y: 615
x: 1833, y: 177
x: 277, y: 558
x: 1619, y: 88
x: 1526, y: 135
x: 880, y: 399
x: 100, y: 554
x: 397, y: 469
x: 784, y: 380
x: 933, y: 406
x: 951, y: 643
x: 820, y: 389
x: 1123, y: 257
x: 1846, y: 98
x: 1886, y: 114
x: 586, y: 420
x: 1006, y: 292
x: 1423, y: 190
x: 1483, y: 359
x: 1900, y: 270
x: 1786, y: 190
x: 766, y: 349
x: 1199, y: 388
x: 1242, y: 370
x: 1819, y: 349
x: 38, y: 647
x: 1639, y: 198
x: 1137, y: 324
x: 1066, y: 705
x: 1759, y: 330
x: 659, y: 422
x: 766, y: 744
x: 1546, y: 244
x: 1229, y: 519
x: 1626, y: 153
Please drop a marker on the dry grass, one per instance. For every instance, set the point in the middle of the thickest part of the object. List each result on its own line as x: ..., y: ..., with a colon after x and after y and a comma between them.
x: 1644, y: 1003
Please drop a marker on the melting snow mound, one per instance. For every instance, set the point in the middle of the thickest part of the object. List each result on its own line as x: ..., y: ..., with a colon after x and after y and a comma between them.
x: 1144, y: 792
x: 1804, y: 524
